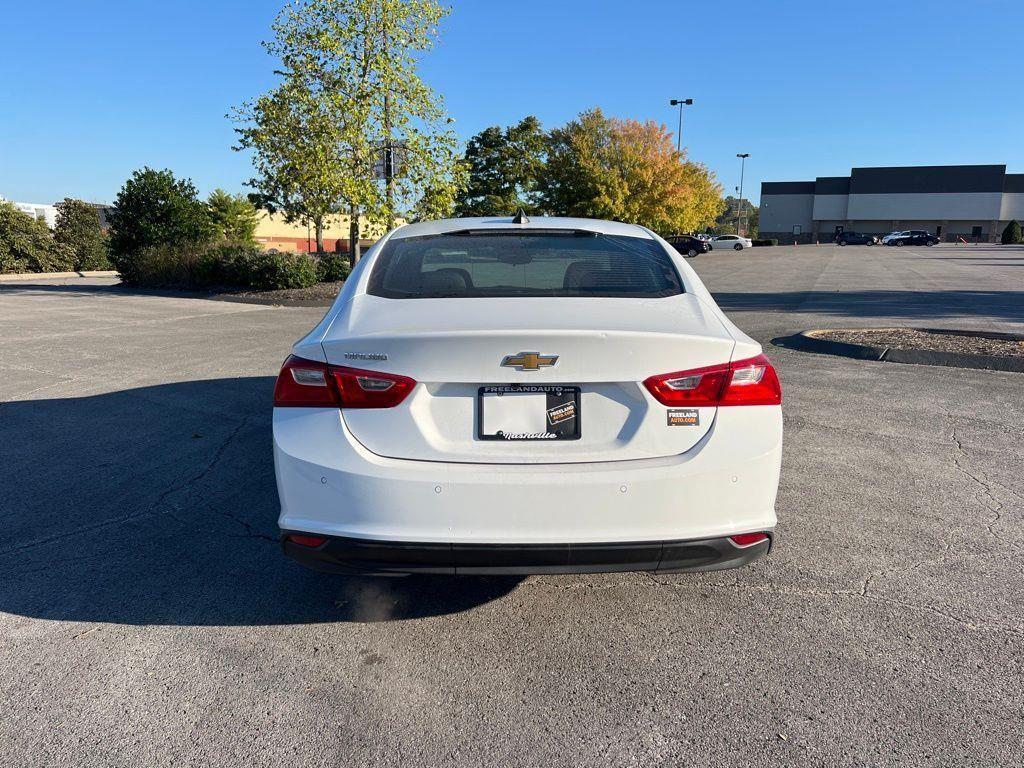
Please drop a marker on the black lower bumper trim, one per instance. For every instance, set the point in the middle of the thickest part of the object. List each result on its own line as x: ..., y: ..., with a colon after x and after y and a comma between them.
x: 365, y: 556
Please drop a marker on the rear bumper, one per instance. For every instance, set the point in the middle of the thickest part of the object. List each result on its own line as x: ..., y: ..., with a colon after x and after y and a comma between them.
x: 329, y: 485
x: 368, y: 557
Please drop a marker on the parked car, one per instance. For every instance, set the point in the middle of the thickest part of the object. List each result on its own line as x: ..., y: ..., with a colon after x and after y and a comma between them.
x: 911, y: 237
x: 854, y: 238
x: 688, y: 245
x: 513, y: 396
x: 731, y: 241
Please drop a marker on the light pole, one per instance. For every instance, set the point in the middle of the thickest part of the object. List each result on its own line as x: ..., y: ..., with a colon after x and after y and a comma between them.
x: 739, y: 207
x: 679, y: 134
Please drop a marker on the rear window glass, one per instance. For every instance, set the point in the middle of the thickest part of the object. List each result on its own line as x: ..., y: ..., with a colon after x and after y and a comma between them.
x: 510, y: 264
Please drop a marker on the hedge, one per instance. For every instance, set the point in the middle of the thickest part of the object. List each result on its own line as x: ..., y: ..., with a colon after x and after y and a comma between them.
x: 222, y: 265
x: 330, y: 268
x: 26, y: 244
x: 758, y: 243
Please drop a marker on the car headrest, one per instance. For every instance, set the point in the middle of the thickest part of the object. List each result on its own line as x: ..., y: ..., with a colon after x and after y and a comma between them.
x: 447, y: 280
x: 575, y: 272
x: 598, y: 278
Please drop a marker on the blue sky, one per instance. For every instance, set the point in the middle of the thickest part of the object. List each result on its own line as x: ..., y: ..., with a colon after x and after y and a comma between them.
x: 91, y: 92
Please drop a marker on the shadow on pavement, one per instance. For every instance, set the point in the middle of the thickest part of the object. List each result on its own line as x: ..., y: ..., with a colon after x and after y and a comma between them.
x: 158, y: 505
x: 1001, y: 305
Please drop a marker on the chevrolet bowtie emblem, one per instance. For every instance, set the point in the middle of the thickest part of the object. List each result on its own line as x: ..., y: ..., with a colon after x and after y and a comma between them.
x: 529, y: 361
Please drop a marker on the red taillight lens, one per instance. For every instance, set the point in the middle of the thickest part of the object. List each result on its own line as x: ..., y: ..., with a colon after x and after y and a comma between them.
x: 744, y: 382
x: 370, y: 389
x: 748, y: 539
x: 307, y: 541
x: 695, y: 388
x: 305, y: 383
x: 753, y: 382
x: 311, y: 383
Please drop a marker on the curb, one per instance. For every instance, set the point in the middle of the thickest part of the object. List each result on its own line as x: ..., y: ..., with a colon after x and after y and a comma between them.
x: 51, y: 275
x: 808, y: 341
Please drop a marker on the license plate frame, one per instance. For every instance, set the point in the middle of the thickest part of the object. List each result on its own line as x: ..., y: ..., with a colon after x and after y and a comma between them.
x: 561, y: 400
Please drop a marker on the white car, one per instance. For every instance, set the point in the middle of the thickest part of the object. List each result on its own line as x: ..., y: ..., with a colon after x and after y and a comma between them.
x: 892, y: 236
x: 511, y: 396
x: 731, y: 241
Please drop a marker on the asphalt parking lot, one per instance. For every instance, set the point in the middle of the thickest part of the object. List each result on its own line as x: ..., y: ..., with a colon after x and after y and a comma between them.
x: 147, y: 617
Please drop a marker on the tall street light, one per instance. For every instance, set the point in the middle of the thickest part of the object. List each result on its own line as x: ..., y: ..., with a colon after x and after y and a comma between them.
x: 739, y: 208
x: 679, y: 134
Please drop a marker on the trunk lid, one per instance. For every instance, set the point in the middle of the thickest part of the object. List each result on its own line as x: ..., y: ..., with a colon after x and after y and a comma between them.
x: 454, y: 347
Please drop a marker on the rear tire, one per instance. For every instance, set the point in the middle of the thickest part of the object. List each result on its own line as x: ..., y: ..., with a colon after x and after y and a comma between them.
x: 737, y: 247
x: 842, y: 243
x: 930, y: 243
x: 899, y: 243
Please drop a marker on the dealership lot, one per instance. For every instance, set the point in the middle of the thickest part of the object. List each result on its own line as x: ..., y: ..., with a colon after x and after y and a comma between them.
x: 147, y: 617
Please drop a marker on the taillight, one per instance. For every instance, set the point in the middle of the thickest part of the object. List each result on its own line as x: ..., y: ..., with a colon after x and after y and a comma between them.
x: 753, y: 382
x: 696, y: 388
x: 305, y: 383
x: 311, y: 383
x: 743, y: 382
x: 748, y: 539
x: 370, y: 389
x: 307, y: 541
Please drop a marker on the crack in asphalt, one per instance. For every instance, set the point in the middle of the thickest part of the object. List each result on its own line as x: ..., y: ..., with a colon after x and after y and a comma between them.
x: 996, y: 507
x: 169, y: 510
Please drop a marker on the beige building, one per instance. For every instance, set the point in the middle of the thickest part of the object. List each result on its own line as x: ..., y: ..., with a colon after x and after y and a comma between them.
x: 272, y: 231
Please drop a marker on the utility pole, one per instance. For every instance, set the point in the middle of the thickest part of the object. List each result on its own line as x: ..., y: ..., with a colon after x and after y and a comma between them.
x: 739, y: 207
x: 679, y: 133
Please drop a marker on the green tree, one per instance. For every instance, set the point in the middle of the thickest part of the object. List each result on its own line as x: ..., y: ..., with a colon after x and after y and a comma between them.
x: 155, y: 208
x: 504, y: 167
x: 295, y: 143
x: 26, y: 244
x: 749, y: 215
x: 350, y: 111
x: 234, y: 217
x: 1012, y: 235
x: 627, y: 171
x: 79, y: 228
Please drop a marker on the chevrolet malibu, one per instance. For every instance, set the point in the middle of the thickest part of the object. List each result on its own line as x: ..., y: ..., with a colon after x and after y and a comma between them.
x: 517, y: 396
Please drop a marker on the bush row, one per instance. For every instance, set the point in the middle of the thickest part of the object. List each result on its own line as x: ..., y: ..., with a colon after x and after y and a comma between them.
x: 227, y: 265
x: 771, y: 241
x: 28, y: 245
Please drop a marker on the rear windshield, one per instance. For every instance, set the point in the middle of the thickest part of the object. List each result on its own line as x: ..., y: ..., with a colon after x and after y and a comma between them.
x: 510, y: 264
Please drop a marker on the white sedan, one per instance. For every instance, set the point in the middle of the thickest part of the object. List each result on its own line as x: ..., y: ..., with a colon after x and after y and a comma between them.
x: 735, y: 242
x: 513, y: 396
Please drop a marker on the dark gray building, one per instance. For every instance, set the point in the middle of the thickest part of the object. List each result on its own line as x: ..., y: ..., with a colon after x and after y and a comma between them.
x: 974, y: 202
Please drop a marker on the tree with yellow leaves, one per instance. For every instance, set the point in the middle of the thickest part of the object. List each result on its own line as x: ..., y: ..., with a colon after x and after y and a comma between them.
x: 625, y: 170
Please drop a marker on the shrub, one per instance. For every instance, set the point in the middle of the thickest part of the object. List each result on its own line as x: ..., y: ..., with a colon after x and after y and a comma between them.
x: 26, y: 244
x: 266, y: 271
x: 331, y: 267
x: 771, y: 241
x: 78, y: 227
x: 234, y: 217
x: 1012, y: 235
x: 170, y: 266
x: 227, y: 265
x: 152, y: 209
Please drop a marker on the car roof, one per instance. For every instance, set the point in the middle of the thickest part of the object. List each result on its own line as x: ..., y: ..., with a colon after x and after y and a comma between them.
x: 441, y: 226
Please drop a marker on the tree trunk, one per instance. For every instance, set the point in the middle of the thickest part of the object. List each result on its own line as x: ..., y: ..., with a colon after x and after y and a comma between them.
x: 353, y: 236
x: 318, y: 225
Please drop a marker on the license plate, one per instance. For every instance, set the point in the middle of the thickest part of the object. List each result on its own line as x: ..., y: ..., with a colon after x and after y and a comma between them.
x: 528, y: 412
